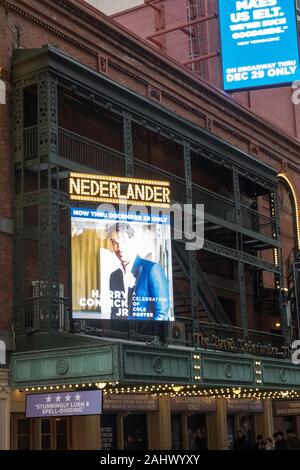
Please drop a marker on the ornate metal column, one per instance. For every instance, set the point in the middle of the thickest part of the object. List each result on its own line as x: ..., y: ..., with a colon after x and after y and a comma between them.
x: 192, y: 253
x: 279, y: 279
x: 18, y: 212
x: 237, y: 196
x: 128, y: 144
x: 243, y: 298
x: 128, y: 151
x: 48, y: 202
x: 241, y: 267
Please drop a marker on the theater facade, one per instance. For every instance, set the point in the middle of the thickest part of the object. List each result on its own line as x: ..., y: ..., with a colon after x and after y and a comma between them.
x: 224, y: 361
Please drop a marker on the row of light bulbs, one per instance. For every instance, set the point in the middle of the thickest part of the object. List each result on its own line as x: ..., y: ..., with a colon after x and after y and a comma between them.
x: 182, y: 391
x: 99, y: 385
x: 175, y: 390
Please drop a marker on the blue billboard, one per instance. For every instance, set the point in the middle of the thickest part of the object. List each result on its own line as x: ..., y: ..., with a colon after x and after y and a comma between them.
x: 259, y: 43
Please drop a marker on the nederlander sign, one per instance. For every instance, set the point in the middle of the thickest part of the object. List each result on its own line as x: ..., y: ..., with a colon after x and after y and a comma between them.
x: 100, y: 188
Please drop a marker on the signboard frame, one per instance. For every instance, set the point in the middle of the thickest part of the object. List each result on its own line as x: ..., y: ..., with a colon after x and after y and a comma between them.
x: 32, y: 398
x: 103, y: 288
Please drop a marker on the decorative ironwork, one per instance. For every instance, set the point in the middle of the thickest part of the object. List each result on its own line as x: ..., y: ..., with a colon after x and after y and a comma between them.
x: 18, y: 212
x: 18, y: 121
x: 44, y: 241
x: 64, y: 199
x: 233, y: 254
x: 237, y: 195
x: 128, y: 145
x: 48, y: 256
x: 18, y: 268
x: 30, y: 199
x: 54, y: 253
x: 243, y: 298
x: 53, y: 129
x: 47, y: 115
x: 43, y: 119
x: 259, y: 263
x: 191, y: 254
x: 193, y: 278
x: 263, y: 182
x: 188, y: 172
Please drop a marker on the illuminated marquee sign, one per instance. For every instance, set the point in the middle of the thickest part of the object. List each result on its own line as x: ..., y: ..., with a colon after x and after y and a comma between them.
x: 100, y: 188
x: 259, y: 43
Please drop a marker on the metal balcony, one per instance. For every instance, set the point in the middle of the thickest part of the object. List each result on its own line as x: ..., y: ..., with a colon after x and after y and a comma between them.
x: 183, y: 331
x: 93, y: 156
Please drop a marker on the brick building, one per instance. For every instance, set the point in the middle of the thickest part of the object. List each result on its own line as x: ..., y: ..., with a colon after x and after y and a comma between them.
x: 188, y: 31
x: 83, y: 94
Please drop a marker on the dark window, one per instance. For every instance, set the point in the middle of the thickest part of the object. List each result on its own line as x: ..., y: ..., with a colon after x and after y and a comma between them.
x: 61, y: 434
x: 46, y: 442
x: 176, y: 432
x: 135, y: 432
x: 23, y: 430
x: 197, y: 433
x: 108, y: 432
x: 46, y: 434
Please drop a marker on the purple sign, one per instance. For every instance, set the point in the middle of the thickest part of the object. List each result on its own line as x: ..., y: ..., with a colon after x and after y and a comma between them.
x: 41, y: 405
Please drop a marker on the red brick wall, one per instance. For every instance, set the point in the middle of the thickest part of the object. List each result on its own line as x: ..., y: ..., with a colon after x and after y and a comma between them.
x: 175, y: 13
x: 140, y: 20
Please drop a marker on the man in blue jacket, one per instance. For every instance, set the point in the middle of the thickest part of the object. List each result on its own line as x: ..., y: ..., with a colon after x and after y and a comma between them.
x: 139, y: 288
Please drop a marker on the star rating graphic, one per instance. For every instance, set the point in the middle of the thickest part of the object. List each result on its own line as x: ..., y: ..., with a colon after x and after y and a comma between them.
x: 58, y: 398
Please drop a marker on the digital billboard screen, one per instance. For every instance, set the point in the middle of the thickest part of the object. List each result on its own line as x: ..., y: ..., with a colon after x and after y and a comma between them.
x: 259, y: 43
x: 121, y: 265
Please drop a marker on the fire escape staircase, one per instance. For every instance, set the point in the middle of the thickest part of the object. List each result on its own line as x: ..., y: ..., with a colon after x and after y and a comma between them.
x: 210, y: 308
